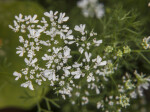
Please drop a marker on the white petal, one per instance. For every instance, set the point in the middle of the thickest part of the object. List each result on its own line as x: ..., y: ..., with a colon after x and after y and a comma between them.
x: 31, y: 86
x: 103, y: 63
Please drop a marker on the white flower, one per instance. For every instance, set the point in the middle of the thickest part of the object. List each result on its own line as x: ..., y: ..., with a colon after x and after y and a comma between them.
x: 20, y: 51
x: 21, y: 40
x: 88, y: 56
x: 66, y: 70
x: 67, y: 52
x: 68, y: 35
x: 33, y: 33
x: 133, y: 94
x: 83, y: 38
x: 46, y: 57
x: 99, y: 105
x: 45, y: 43
x: 62, y: 18
x: 55, y: 67
x: 87, y: 67
x: 85, y: 100
x: 90, y: 77
x: 30, y: 62
x: 18, y: 75
x: 43, y: 20
x: 33, y: 19
x: 99, y: 11
x: 71, y: 42
x: 31, y: 53
x: 77, y: 65
x: 97, y: 42
x: 77, y: 73
x: 56, y: 50
x: 51, y: 15
x: 99, y: 61
x: 27, y: 84
x: 19, y: 18
x: 82, y: 4
x: 145, y: 85
x: 38, y: 81
x: 81, y: 50
x: 80, y: 28
x: 91, y: 8
x: 50, y: 74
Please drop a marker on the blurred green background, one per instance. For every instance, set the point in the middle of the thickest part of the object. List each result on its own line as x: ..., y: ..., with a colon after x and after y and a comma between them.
x: 12, y: 96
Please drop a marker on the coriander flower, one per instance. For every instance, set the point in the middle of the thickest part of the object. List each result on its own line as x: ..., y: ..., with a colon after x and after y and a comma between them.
x: 80, y: 28
x: 27, y: 84
x: 20, y: 51
x: 18, y: 75
x: 52, y: 60
x: 91, y: 8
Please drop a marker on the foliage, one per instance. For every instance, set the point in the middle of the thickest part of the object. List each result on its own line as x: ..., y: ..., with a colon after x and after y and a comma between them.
x: 124, y: 29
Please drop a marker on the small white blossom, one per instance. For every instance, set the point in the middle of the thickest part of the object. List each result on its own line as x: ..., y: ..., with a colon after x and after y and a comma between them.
x: 97, y: 42
x: 88, y: 56
x: 62, y: 18
x: 19, y: 18
x: 90, y: 77
x: 81, y: 50
x: 30, y: 62
x: 77, y: 74
x: 91, y: 8
x: 50, y: 74
x: 33, y: 19
x: 27, y: 84
x: 99, y: 105
x: 80, y: 28
x: 20, y: 51
x: 18, y: 75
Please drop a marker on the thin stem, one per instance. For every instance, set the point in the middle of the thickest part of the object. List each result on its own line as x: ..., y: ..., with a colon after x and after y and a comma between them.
x: 79, y: 58
x: 115, y: 61
x: 39, y: 108
x: 52, y: 101
x: 48, y: 105
x: 140, y: 51
x: 114, y: 82
x: 144, y: 57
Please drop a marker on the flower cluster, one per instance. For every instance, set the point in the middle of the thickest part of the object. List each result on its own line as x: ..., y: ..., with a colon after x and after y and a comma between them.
x: 133, y: 87
x: 48, y: 49
x: 91, y: 8
x: 146, y: 43
x: 55, y: 55
x: 64, y: 59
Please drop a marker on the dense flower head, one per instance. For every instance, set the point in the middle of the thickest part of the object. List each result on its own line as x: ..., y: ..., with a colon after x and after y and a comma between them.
x: 47, y: 52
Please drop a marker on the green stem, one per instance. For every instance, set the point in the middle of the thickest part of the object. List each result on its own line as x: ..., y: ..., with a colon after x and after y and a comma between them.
x: 48, y: 105
x: 52, y: 101
x: 39, y: 108
x: 144, y: 57
x: 79, y: 58
x: 115, y: 61
x: 114, y: 82
x: 140, y: 51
